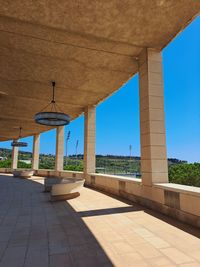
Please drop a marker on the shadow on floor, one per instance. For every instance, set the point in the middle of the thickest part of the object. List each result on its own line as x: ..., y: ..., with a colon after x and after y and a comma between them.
x: 38, y: 232
x: 100, y: 212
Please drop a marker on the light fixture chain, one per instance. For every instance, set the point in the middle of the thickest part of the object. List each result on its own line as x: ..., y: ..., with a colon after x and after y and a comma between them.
x: 20, y: 131
x: 53, y: 85
x: 52, y: 117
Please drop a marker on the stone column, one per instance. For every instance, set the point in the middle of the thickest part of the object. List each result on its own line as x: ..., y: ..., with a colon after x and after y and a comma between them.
x: 59, y: 148
x: 154, y: 167
x: 89, y: 141
x: 14, y: 157
x: 36, y: 150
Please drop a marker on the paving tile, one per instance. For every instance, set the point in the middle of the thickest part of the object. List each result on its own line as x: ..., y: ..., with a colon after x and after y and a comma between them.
x: 5, y: 236
x: 60, y: 260
x: 59, y: 247
x: 135, y: 240
x: 86, y: 262
x: 15, y: 252
x: 102, y: 257
x: 128, y: 262
x: 106, y: 264
x: 147, y: 251
x: 157, y: 242
x: 160, y: 261
x: 193, y: 264
x: 129, y: 258
x: 38, y: 243
x: 18, y: 242
x: 3, y: 246
x: 141, y: 231
x: 12, y: 263
x: 195, y: 253
x: 176, y: 255
x: 13, y: 256
x: 37, y: 257
x: 122, y: 247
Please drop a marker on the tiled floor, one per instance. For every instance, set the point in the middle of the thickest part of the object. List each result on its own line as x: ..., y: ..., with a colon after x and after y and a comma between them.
x: 91, y: 230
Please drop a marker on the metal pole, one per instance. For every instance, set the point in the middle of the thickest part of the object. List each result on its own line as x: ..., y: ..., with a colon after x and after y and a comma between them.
x: 66, y: 150
x: 130, y: 148
x: 67, y: 139
x: 76, y: 151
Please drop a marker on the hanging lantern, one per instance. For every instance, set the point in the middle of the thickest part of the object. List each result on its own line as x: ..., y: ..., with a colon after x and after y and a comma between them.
x: 53, y: 117
x: 17, y: 143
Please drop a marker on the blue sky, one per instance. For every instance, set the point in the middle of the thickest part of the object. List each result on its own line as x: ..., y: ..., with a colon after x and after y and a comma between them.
x: 118, y: 116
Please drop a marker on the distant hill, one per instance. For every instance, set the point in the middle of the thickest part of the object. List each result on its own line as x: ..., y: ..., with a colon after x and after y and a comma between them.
x: 23, y: 155
x: 176, y: 161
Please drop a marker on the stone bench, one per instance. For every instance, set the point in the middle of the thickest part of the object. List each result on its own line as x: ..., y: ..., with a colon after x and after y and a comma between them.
x: 66, y: 189
x: 23, y: 173
x: 50, y: 181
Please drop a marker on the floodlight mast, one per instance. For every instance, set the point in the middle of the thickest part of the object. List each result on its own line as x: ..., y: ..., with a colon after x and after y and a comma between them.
x: 67, y: 139
x: 76, y: 151
x: 130, y: 148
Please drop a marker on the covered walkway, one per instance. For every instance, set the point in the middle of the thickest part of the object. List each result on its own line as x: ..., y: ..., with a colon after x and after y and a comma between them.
x: 91, y: 230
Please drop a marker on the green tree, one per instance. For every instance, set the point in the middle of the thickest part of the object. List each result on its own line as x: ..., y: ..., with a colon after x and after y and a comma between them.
x: 187, y: 174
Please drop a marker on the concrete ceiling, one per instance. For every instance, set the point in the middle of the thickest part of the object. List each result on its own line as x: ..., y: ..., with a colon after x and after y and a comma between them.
x: 89, y: 48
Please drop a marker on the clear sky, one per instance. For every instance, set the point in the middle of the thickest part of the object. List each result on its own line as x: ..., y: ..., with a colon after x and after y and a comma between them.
x: 118, y: 116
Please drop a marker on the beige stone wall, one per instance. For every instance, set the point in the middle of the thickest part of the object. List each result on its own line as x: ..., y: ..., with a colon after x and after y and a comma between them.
x: 190, y: 204
x: 15, y: 151
x: 71, y: 174
x: 59, y: 148
x: 152, y: 127
x: 90, y: 141
x: 36, y: 151
x: 5, y: 170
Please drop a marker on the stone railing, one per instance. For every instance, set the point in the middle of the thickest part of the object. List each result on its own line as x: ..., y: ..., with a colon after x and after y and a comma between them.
x: 5, y: 170
x: 46, y: 173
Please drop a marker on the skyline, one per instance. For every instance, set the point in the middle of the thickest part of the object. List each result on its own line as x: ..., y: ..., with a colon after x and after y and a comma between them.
x: 118, y: 116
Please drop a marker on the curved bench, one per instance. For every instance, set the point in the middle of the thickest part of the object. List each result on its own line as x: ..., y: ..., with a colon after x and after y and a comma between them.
x: 66, y: 189
x: 23, y: 173
x: 50, y: 181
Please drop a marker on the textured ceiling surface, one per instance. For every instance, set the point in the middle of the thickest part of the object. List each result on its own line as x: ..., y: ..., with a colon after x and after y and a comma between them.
x: 90, y: 48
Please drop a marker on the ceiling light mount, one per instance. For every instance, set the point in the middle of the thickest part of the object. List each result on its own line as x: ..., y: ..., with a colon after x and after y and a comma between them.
x: 17, y: 143
x: 53, y: 117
